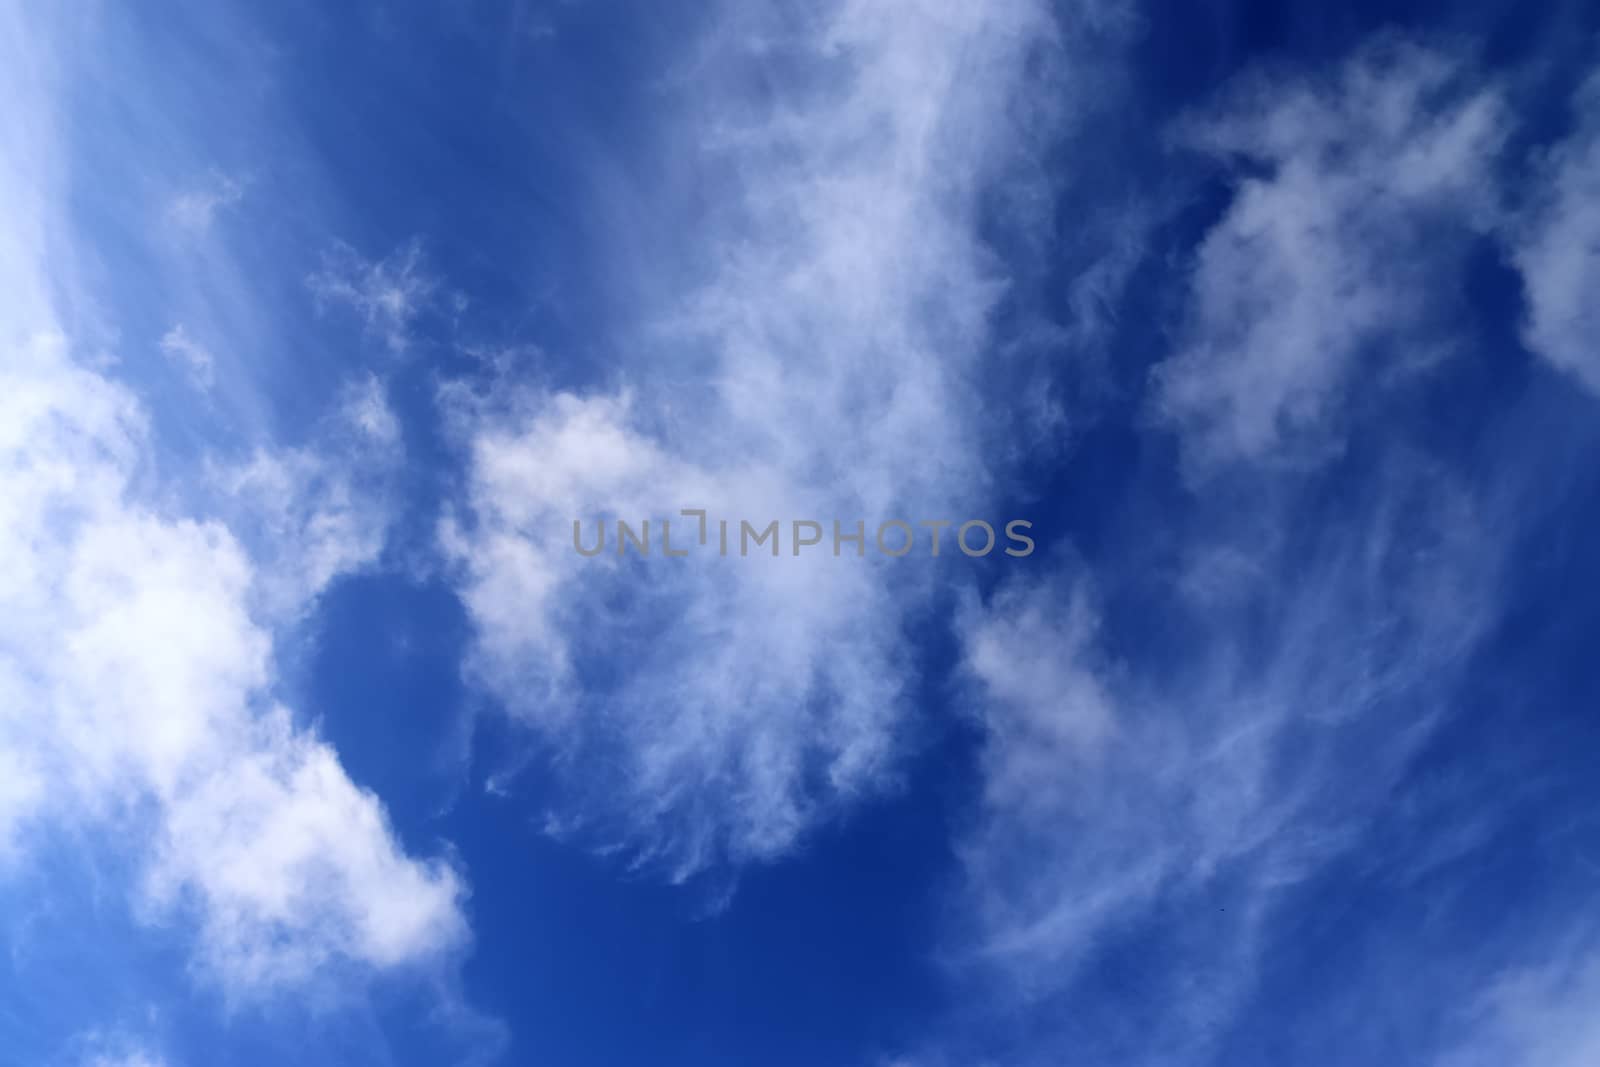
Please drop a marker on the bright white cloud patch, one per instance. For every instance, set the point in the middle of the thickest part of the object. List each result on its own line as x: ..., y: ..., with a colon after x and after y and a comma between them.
x: 134, y: 678
x: 312, y: 513
x: 1325, y: 271
x: 1558, y: 250
x: 295, y: 867
x: 816, y: 364
x: 136, y: 687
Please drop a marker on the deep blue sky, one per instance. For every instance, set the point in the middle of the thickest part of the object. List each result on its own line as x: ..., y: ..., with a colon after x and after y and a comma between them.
x: 1270, y: 317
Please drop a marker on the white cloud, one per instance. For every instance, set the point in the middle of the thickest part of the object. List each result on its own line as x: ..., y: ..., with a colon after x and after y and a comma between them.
x: 813, y: 358
x: 98, y: 1048
x: 1537, y: 1015
x: 735, y: 703
x: 135, y: 677
x: 1558, y: 249
x: 195, y: 209
x: 294, y: 867
x: 1225, y: 761
x: 388, y: 295
x: 136, y: 674
x: 195, y: 358
x: 1334, y: 255
x: 1161, y: 799
x: 1049, y: 697
x: 365, y: 407
x: 128, y: 1059
x: 21, y: 790
x: 313, y: 513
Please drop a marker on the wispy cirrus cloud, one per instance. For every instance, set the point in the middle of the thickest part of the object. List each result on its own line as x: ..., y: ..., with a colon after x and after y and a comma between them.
x: 194, y: 210
x: 1216, y: 777
x: 1535, y: 1014
x: 388, y: 295
x: 1176, y: 790
x: 1557, y: 247
x: 814, y: 357
x: 1355, y: 197
x: 194, y: 357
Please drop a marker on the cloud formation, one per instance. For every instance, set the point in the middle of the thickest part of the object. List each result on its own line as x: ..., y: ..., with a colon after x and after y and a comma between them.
x: 816, y: 362
x: 1354, y: 197
x: 195, y: 209
x: 1558, y: 248
x: 193, y: 357
x: 1534, y: 1015
x: 131, y: 1059
x: 138, y: 699
x: 136, y: 678
x: 1167, y: 781
x: 1117, y: 788
x: 388, y: 295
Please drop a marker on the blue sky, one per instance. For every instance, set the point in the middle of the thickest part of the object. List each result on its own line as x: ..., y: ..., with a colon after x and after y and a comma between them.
x: 319, y: 743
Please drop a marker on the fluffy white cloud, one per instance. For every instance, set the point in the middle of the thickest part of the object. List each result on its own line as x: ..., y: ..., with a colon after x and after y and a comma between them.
x: 294, y: 867
x: 1558, y: 249
x: 137, y: 701
x: 1323, y: 273
x: 312, y: 513
x: 814, y: 359
x: 135, y: 686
